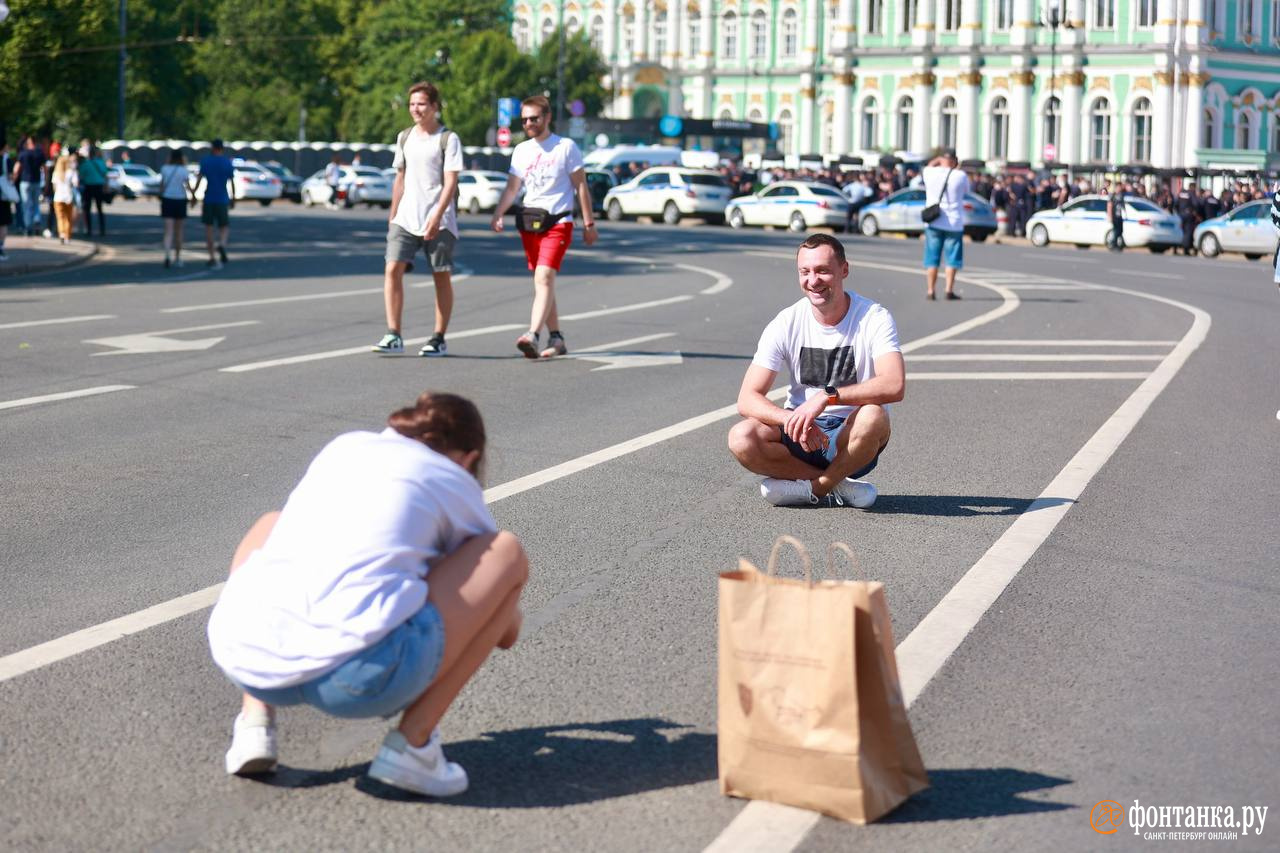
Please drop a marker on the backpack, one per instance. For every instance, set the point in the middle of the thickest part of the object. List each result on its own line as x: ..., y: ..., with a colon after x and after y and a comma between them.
x: 444, y: 148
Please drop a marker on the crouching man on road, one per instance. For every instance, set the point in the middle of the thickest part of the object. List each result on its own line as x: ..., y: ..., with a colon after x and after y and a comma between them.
x: 846, y: 366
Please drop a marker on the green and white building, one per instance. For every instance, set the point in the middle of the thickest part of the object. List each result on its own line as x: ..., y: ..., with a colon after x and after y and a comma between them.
x: 1168, y: 83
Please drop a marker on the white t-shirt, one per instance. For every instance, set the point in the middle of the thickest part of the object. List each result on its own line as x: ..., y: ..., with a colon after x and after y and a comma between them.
x: 545, y: 167
x: 952, y: 201
x: 818, y: 355
x: 421, y: 159
x: 347, y: 560
x: 173, y: 181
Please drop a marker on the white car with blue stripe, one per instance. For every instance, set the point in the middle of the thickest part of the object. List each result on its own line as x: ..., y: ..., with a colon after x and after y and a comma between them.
x: 1246, y: 229
x: 798, y: 205
x: 900, y: 212
x: 671, y: 192
x: 1084, y: 222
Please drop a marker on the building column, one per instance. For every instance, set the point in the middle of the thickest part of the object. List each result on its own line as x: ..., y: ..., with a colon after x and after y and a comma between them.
x: 1024, y: 22
x: 642, y: 31
x: 626, y: 89
x: 924, y: 32
x: 846, y: 28
x: 967, y: 118
x: 1193, y: 127
x: 1071, y: 85
x: 1162, y: 136
x: 970, y: 22
x: 921, y: 107
x: 1021, y: 113
x: 807, y: 135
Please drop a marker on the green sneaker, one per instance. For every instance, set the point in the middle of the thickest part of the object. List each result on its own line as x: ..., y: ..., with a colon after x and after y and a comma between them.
x: 390, y: 343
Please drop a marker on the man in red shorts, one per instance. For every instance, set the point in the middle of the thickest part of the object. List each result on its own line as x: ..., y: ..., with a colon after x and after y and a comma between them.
x: 549, y: 167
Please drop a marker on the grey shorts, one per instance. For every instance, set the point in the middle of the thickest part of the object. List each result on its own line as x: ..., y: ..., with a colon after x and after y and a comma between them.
x: 402, y: 246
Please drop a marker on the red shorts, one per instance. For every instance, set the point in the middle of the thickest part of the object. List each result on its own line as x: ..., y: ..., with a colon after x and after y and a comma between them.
x: 547, y: 249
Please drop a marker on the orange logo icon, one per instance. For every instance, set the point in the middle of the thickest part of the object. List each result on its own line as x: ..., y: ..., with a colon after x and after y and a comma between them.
x: 1107, y: 817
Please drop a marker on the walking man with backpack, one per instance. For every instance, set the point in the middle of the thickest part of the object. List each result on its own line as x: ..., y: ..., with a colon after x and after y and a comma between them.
x: 424, y: 215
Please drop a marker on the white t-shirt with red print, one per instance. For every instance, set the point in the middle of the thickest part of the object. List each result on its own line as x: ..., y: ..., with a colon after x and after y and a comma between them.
x: 544, y: 166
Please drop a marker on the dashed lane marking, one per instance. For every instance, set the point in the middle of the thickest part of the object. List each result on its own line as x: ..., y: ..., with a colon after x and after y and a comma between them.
x: 64, y: 395
x: 58, y: 320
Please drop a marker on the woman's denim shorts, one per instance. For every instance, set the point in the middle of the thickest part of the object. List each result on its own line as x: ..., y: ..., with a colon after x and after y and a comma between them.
x: 380, y: 681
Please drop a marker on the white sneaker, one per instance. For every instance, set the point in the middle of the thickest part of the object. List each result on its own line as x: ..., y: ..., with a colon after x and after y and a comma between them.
x: 253, y: 748
x: 854, y: 493
x: 423, y: 770
x: 787, y: 492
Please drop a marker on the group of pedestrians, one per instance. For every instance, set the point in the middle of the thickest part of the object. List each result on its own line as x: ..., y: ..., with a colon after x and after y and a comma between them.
x: 72, y: 181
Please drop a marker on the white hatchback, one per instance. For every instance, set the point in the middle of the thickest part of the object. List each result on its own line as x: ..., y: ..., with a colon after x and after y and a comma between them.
x: 671, y: 192
x: 480, y: 190
x: 798, y: 205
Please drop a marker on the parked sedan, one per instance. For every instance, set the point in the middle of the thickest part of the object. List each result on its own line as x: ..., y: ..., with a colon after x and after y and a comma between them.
x: 1084, y: 221
x: 1246, y: 229
x: 250, y: 181
x: 900, y: 213
x: 480, y: 190
x: 356, y: 185
x: 671, y: 192
x: 290, y: 183
x: 798, y: 205
x: 134, y: 180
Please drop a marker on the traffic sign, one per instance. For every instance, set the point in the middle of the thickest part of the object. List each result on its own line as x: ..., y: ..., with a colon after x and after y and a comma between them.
x: 508, y: 109
x: 504, y: 137
x: 1050, y: 152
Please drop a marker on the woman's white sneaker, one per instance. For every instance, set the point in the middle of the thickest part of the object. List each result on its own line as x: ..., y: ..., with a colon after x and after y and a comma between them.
x: 253, y: 748
x: 422, y: 769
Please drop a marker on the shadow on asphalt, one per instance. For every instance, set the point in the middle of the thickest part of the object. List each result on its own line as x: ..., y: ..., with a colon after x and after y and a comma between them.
x: 954, y: 505
x: 551, y: 765
x: 977, y: 793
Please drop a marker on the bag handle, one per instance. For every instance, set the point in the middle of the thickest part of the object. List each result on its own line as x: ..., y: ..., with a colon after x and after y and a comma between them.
x: 841, y: 548
x: 944, y: 186
x: 771, y: 569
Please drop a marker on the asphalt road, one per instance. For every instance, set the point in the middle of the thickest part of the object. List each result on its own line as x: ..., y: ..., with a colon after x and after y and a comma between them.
x: 1098, y: 430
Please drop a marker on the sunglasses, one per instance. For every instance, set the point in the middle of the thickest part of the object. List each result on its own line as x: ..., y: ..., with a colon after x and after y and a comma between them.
x: 527, y: 119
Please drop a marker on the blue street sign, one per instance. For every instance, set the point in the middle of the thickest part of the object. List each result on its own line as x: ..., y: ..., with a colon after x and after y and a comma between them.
x: 670, y: 125
x: 508, y: 109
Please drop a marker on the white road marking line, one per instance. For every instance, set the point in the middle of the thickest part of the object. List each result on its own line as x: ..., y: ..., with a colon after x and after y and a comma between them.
x: 64, y: 395
x: 770, y: 827
x: 722, y: 281
x: 1042, y: 375
x: 1033, y: 356
x: 1074, y: 342
x: 1047, y: 287
x: 627, y: 343
x: 1166, y: 275
x: 486, y: 330
x: 941, y: 632
x: 1037, y: 257
x: 57, y: 321
x: 461, y: 275
x: 27, y: 660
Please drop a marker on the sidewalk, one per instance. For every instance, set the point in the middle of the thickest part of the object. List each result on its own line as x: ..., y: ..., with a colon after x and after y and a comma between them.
x: 29, y: 255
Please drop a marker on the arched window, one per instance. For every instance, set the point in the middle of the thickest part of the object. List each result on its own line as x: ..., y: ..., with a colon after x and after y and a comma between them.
x: 1140, y: 146
x: 870, y: 123
x: 1100, y: 131
x: 1209, y: 137
x: 786, y: 132
x: 597, y: 32
x: 548, y: 27
x: 1052, y: 120
x: 948, y: 122
x: 759, y: 34
x: 789, y: 34
x: 999, y: 145
x: 1244, y: 130
x: 902, y: 124
x: 571, y: 26
x: 729, y: 36
x: 659, y: 34
x: 522, y: 35
x: 726, y: 114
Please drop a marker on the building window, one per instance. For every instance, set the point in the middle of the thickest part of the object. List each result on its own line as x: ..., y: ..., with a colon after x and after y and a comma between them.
x: 695, y: 36
x: 660, y: 34
x: 1100, y: 131
x: 870, y: 125
x: 902, y: 125
x: 1004, y: 15
x: 833, y: 19
x: 1244, y: 130
x: 1052, y: 121
x: 1140, y: 148
x: 1104, y: 14
x: 789, y: 34
x: 950, y: 15
x: 759, y: 34
x: 1207, y: 139
x: 999, y: 146
x: 1248, y: 19
x: 875, y: 17
x: 548, y: 28
x: 786, y: 132
x: 522, y: 35
x: 571, y: 26
x: 629, y: 38
x: 948, y: 122
x: 909, y: 9
x: 1146, y: 13
x: 729, y: 36
x: 1211, y: 16
x: 597, y: 33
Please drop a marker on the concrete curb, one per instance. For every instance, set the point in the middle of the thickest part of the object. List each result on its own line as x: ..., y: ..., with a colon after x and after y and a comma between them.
x: 76, y: 255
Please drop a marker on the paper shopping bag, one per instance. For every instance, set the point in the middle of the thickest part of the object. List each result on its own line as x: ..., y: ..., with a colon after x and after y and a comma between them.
x: 810, y: 708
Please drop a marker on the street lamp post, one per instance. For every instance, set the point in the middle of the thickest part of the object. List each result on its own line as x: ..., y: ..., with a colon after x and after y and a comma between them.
x: 123, y: 56
x: 1054, y: 11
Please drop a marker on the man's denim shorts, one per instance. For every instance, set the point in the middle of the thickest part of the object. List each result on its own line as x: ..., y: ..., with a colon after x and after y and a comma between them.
x: 378, y: 682
x: 936, y: 241
x: 831, y: 425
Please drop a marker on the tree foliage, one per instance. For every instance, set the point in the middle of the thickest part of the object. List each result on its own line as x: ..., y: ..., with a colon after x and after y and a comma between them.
x: 245, y: 69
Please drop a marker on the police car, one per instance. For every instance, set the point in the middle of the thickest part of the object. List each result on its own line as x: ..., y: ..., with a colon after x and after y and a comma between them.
x: 1084, y: 221
x: 798, y: 205
x: 900, y: 213
x: 671, y: 192
x: 1246, y: 229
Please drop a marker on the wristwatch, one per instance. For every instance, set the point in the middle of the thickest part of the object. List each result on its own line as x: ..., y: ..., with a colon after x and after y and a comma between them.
x: 833, y: 395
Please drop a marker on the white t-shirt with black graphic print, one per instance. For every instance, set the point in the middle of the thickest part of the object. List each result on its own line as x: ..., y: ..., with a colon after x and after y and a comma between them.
x: 818, y: 355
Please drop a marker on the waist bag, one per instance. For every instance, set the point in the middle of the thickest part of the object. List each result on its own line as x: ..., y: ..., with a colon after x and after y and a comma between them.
x: 535, y: 220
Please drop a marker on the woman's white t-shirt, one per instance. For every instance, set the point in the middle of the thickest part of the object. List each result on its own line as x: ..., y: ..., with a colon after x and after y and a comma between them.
x: 544, y: 167
x: 818, y: 355
x: 347, y: 561
x: 173, y: 181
